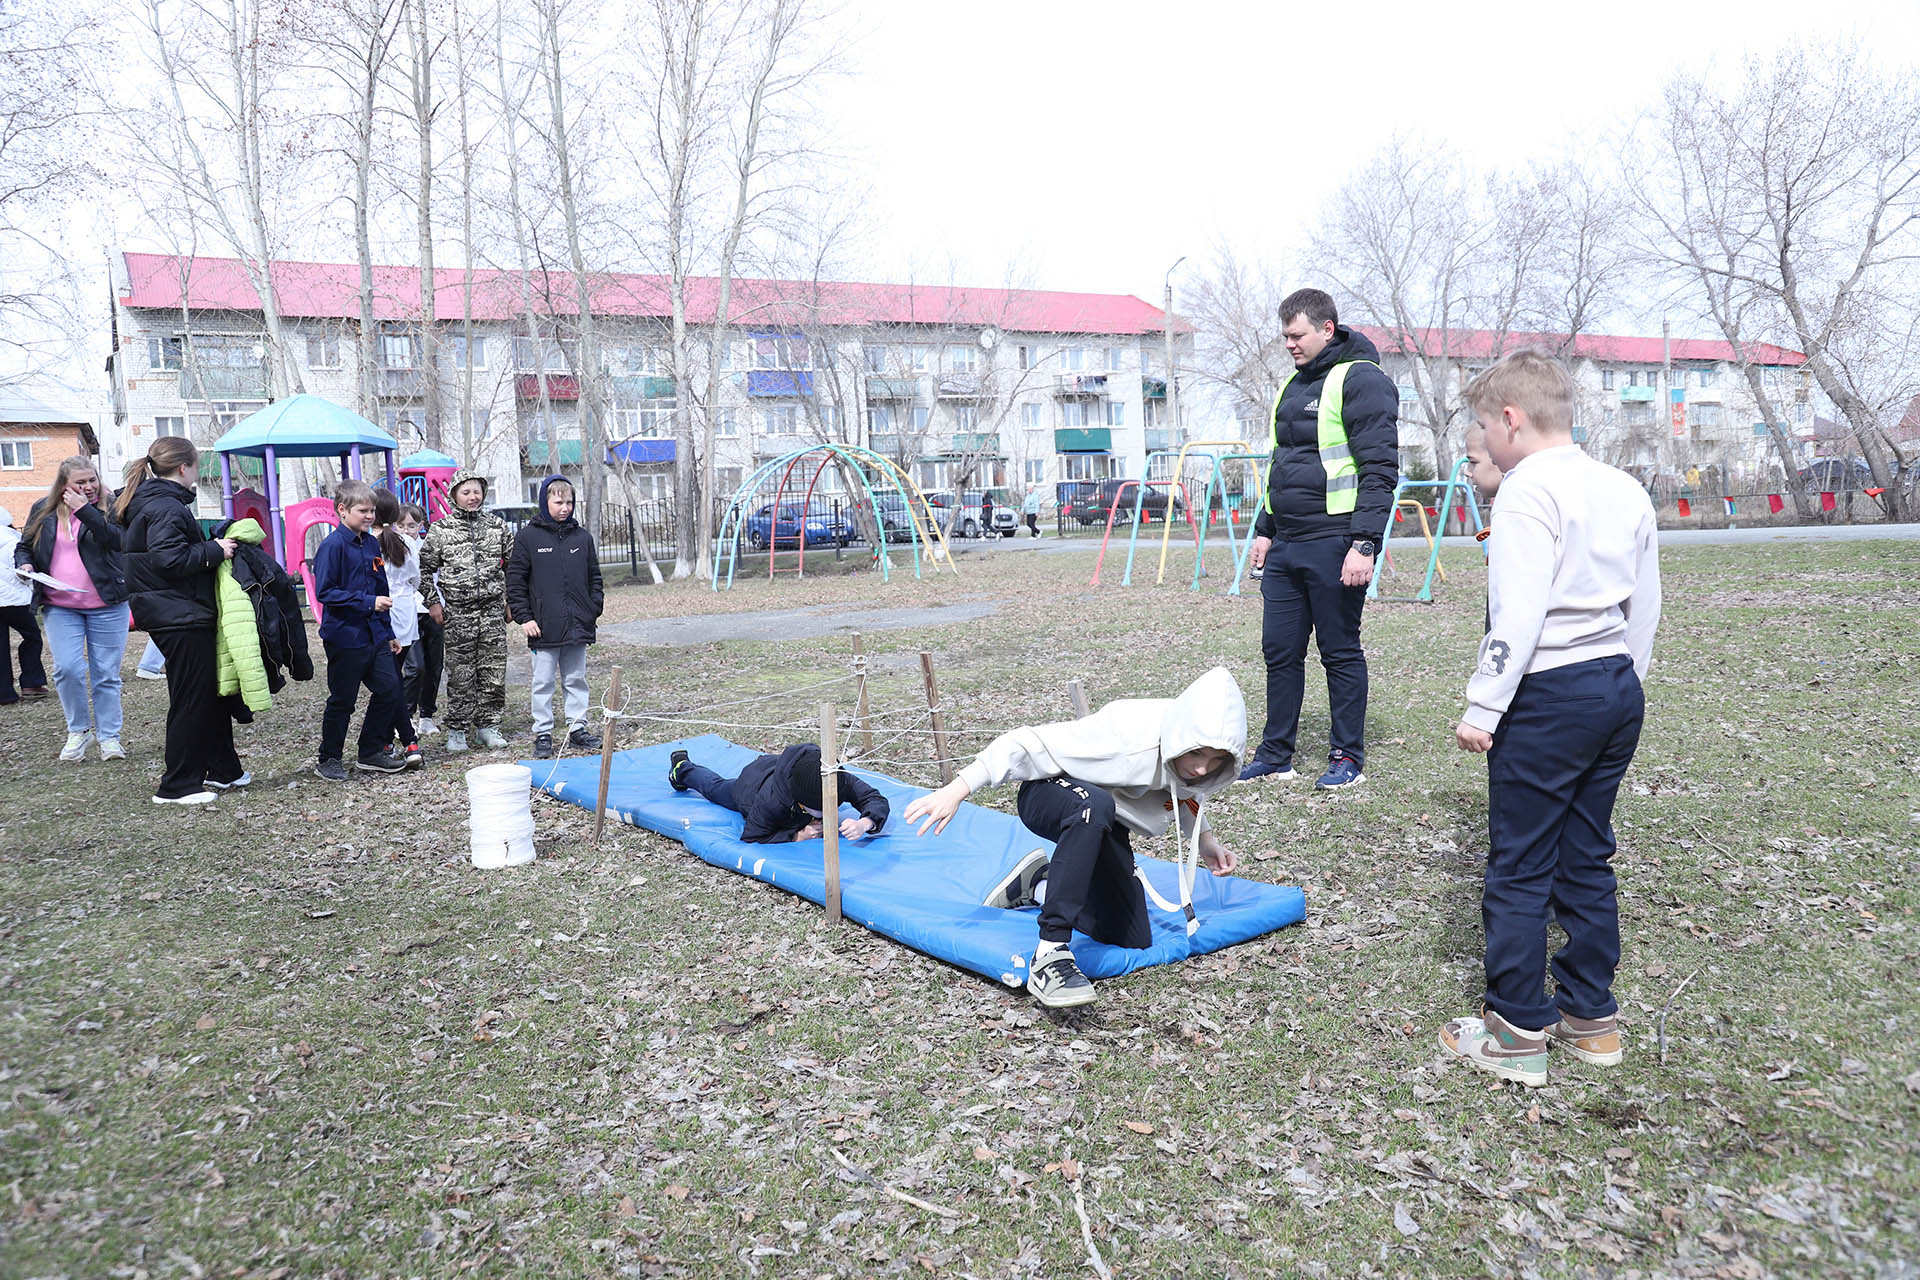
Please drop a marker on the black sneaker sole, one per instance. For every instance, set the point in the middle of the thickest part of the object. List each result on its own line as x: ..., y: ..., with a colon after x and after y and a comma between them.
x: 381, y: 767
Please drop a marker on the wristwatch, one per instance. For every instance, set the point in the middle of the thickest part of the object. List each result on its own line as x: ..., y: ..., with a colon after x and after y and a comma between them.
x: 1365, y: 547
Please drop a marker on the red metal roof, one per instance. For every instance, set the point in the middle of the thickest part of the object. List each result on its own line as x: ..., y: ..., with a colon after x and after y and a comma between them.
x: 332, y: 291
x: 1486, y: 344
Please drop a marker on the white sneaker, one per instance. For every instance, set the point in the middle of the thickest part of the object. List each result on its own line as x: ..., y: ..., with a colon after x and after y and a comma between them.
x: 456, y: 741
x: 76, y: 748
x: 198, y: 797
x: 110, y: 749
x: 424, y: 726
x: 491, y: 738
x: 240, y: 781
x: 145, y: 674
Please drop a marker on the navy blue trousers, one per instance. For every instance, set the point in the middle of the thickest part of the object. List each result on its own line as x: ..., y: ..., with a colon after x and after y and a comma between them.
x: 1301, y: 593
x: 349, y: 667
x: 706, y: 782
x: 1552, y: 775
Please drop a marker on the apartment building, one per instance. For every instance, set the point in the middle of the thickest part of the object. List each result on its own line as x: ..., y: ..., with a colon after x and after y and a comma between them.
x: 976, y: 387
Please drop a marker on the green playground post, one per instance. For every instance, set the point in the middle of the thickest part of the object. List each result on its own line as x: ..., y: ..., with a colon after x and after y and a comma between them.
x: 1455, y: 482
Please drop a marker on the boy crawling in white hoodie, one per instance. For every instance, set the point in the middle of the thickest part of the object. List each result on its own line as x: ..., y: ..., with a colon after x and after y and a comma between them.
x: 1089, y: 785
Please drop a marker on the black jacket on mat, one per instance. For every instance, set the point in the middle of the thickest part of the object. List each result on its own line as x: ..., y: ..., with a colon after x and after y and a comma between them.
x: 553, y: 578
x: 772, y: 791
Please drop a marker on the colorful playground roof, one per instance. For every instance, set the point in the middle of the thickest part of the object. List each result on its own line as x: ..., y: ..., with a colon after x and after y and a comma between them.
x: 303, y: 426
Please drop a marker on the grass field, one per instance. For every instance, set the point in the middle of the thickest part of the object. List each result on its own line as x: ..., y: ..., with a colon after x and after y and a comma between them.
x: 296, y: 1034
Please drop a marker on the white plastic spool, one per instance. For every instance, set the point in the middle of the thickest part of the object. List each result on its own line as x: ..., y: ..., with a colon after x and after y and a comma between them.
x: 500, y: 815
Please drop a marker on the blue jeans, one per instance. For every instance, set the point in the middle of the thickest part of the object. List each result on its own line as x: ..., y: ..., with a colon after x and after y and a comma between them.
x: 153, y: 662
x: 87, y: 647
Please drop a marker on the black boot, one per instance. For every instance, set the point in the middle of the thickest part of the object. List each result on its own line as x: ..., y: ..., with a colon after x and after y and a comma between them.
x: 677, y: 759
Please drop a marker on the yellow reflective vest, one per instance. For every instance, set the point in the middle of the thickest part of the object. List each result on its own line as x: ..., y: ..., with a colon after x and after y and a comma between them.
x: 1343, y: 476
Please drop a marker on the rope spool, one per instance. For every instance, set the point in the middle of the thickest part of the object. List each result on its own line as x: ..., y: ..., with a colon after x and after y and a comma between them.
x: 500, y: 815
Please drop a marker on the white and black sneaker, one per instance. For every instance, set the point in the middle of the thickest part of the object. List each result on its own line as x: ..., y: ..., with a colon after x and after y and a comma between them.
x: 1056, y: 981
x: 1016, y: 890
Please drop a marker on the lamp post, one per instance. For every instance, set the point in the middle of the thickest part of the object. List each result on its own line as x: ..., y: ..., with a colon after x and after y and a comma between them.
x: 1166, y: 314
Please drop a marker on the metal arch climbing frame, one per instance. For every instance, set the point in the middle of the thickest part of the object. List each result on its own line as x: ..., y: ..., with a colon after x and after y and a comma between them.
x: 1455, y: 482
x: 1179, y: 473
x: 1113, y: 508
x: 925, y: 528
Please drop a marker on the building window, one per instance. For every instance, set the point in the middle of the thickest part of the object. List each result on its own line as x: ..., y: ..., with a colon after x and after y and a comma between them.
x: 396, y: 351
x: 917, y: 357
x: 170, y: 427
x: 1073, y: 359
x: 1710, y: 377
x: 1113, y: 359
x: 1708, y: 415
x: 728, y: 478
x: 323, y: 351
x: 962, y: 357
x: 640, y: 360
x: 1116, y: 413
x: 932, y: 473
x: 1024, y: 356
x: 404, y: 424
x: 1074, y: 413
x: 729, y: 425
x: 1035, y: 470
x: 917, y: 417
x: 165, y: 352
x: 966, y: 417
x: 879, y: 418
x: 457, y: 349
x: 1606, y: 379
x: 782, y: 351
x: 1087, y: 466
x: 876, y: 359
x: 780, y: 420
x: 16, y: 455
x: 1030, y: 416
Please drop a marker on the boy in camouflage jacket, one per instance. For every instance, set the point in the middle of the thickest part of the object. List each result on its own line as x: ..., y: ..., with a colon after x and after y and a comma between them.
x: 468, y: 550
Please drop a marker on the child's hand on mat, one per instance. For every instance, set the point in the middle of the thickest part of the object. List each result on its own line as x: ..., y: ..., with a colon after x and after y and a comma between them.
x: 809, y: 832
x: 1471, y: 739
x: 382, y: 603
x: 854, y: 828
x: 938, y: 807
x: 531, y: 628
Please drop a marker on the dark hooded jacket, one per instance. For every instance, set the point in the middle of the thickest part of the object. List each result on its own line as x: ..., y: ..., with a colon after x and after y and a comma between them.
x: 1297, y: 480
x: 169, y: 562
x: 99, y: 541
x: 772, y: 791
x: 553, y: 578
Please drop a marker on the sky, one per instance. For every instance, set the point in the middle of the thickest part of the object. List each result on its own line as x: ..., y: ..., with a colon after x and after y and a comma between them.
x: 1087, y: 146
x: 1063, y: 144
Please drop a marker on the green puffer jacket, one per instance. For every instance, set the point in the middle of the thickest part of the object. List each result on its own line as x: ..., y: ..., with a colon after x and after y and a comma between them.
x: 237, y: 632
x: 468, y: 550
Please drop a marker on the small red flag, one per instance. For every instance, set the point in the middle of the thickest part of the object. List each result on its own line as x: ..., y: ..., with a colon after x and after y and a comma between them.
x: 1398, y: 515
x: 1775, y: 504
x: 1873, y: 493
x: 1826, y: 502
x: 1686, y: 508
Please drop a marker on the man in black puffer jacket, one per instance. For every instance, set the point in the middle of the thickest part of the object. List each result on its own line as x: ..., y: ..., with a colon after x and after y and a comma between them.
x: 1334, y: 432
x: 553, y: 593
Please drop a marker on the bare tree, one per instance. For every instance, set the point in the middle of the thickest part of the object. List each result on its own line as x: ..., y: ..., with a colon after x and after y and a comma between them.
x: 423, y: 45
x: 1235, y: 312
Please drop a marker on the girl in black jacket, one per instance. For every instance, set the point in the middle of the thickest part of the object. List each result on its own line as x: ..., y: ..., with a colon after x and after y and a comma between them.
x: 170, y: 566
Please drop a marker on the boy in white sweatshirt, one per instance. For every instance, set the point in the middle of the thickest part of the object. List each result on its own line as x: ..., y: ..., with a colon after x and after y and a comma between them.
x: 1574, y: 597
x: 1089, y: 785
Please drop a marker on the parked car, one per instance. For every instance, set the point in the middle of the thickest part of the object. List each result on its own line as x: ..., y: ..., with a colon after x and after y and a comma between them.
x: 1834, y: 475
x: 1089, y: 504
x: 896, y: 523
x: 971, y: 521
x: 821, y: 526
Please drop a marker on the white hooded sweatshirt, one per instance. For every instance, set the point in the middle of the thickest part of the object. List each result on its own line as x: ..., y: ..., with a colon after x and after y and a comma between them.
x: 14, y: 589
x: 1127, y: 748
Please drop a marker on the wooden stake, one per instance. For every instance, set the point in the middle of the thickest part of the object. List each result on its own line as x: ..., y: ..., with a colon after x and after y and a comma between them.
x: 830, y: 806
x: 606, y: 754
x: 1077, y: 699
x: 860, y: 682
x: 939, y: 718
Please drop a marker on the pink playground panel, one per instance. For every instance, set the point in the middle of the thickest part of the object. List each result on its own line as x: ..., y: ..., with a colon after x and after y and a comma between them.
x: 302, y: 517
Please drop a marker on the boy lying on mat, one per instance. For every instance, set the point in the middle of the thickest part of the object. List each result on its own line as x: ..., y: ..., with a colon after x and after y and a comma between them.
x: 778, y: 797
x: 1088, y: 785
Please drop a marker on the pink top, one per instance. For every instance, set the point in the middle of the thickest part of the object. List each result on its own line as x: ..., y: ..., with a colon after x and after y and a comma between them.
x: 69, y: 568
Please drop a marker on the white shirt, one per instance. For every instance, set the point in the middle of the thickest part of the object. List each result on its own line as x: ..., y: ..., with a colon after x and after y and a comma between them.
x: 1573, y: 574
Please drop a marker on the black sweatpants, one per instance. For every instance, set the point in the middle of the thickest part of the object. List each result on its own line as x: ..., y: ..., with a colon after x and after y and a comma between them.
x: 706, y: 782
x: 1090, y: 882
x: 426, y: 659
x: 349, y: 667
x: 199, y: 730
x: 1301, y: 593
x: 33, y: 675
x: 1556, y: 764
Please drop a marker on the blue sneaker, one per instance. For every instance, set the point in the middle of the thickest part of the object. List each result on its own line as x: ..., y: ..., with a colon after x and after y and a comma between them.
x: 1268, y: 769
x: 1342, y: 771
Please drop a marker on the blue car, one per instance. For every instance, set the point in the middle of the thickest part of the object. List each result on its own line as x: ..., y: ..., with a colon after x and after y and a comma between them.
x: 822, y: 528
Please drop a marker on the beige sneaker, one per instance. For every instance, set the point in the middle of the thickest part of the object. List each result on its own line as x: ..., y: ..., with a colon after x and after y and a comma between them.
x: 1491, y: 1044
x: 110, y: 749
x: 1595, y: 1040
x: 76, y: 748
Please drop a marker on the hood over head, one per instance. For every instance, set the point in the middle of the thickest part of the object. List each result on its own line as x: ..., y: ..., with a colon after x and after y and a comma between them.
x: 6, y: 518
x: 1346, y: 346
x: 460, y: 477
x: 1210, y: 712
x: 803, y: 774
x: 247, y: 530
x: 543, y: 516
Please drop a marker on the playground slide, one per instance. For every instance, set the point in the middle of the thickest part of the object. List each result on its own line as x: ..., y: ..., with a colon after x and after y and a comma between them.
x: 924, y: 891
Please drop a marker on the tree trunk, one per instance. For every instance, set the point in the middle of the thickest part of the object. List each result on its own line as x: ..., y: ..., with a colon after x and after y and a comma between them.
x: 593, y: 472
x: 419, y: 41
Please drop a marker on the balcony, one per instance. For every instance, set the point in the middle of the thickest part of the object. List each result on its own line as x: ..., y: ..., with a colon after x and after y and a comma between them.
x: 962, y: 386
x: 1079, y: 384
x: 1158, y: 438
x: 779, y: 382
x: 1707, y: 395
x: 1638, y: 395
x: 1083, y: 440
x: 893, y: 388
x: 399, y: 384
x: 1153, y: 388
x: 646, y: 387
x: 885, y: 443
x: 560, y: 386
x: 224, y: 384
x: 975, y: 442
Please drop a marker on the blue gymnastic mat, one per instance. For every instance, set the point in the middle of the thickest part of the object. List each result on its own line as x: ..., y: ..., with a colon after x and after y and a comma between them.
x: 924, y: 891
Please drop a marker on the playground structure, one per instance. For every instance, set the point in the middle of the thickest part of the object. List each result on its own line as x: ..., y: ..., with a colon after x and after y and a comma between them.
x: 424, y: 481
x: 785, y: 472
x: 1455, y: 483
x: 1178, y: 482
x: 302, y: 426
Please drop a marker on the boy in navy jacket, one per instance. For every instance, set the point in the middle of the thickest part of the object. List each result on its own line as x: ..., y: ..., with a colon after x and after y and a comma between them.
x: 1573, y: 580
x: 350, y: 580
x: 779, y: 797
